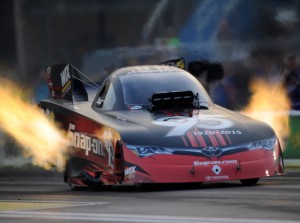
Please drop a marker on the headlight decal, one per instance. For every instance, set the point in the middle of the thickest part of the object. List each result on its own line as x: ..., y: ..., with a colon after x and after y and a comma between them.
x: 146, y: 151
x: 267, y: 144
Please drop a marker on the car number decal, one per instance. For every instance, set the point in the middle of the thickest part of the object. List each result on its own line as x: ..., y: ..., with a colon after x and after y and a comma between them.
x: 181, y: 124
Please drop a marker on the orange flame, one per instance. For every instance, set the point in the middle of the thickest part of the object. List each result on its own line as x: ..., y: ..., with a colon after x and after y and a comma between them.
x: 269, y: 103
x: 28, y: 125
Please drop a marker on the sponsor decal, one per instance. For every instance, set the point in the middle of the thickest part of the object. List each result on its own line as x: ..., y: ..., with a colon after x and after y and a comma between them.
x: 180, y: 63
x: 223, y: 177
x: 130, y: 172
x: 85, y: 142
x: 153, y: 69
x: 136, y: 107
x: 65, y: 80
x: 208, y: 163
x: 65, y: 76
x: 216, y: 169
x: 208, y: 178
x: 181, y: 124
x: 109, y: 147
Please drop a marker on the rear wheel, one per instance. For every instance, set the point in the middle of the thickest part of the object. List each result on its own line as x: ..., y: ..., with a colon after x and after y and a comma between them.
x: 250, y: 182
x: 67, y: 175
x: 75, y: 187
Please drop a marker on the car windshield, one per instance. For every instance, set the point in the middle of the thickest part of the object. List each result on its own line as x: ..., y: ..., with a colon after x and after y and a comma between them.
x: 139, y: 87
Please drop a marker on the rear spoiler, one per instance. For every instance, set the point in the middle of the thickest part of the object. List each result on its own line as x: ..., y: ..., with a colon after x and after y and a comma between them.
x: 64, y: 82
x: 172, y: 100
x: 179, y: 62
x: 214, y: 71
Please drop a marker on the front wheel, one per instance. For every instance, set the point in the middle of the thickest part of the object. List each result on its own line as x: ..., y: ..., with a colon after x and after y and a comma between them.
x: 250, y: 182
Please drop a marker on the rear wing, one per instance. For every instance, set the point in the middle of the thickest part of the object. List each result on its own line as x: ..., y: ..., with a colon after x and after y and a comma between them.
x: 213, y: 70
x: 64, y: 82
x: 179, y: 62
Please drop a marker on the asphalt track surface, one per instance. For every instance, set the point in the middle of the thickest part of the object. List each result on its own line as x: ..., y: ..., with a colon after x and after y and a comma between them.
x: 48, y: 199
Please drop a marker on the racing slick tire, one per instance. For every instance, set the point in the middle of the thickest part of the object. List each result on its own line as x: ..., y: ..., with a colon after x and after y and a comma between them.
x: 249, y: 182
x: 67, y: 176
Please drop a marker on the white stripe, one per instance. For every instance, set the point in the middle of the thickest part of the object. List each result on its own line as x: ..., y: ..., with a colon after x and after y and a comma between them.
x: 55, y: 202
x: 129, y: 218
x: 65, y: 203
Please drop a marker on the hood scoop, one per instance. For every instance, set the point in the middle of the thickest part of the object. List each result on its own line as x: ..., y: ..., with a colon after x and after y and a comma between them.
x: 174, y: 100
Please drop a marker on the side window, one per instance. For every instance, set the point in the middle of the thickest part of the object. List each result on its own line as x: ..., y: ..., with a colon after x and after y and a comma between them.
x: 110, y: 99
x: 101, y: 96
x: 106, y: 99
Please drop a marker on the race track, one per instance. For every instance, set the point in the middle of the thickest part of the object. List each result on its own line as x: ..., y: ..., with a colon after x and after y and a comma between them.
x: 48, y: 199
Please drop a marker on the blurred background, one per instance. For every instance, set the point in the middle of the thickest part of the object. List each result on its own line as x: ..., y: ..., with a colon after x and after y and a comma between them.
x: 241, y: 40
x: 249, y: 38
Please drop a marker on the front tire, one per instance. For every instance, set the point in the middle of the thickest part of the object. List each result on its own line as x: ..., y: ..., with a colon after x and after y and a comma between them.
x: 250, y: 182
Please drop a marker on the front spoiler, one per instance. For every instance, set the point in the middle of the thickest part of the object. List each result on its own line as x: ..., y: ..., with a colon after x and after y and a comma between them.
x: 164, y: 169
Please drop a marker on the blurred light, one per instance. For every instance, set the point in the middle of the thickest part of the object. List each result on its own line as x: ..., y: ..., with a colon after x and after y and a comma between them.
x: 286, y: 16
x: 274, y: 155
x: 267, y: 173
x: 269, y: 103
x: 27, y: 124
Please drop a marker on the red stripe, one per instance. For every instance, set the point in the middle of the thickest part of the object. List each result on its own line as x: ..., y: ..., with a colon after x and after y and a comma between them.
x: 97, y: 167
x: 228, y: 139
x: 221, y: 139
x: 185, y: 142
x: 213, y: 139
x: 200, y: 139
x: 88, y: 168
x: 192, y: 139
x: 90, y: 172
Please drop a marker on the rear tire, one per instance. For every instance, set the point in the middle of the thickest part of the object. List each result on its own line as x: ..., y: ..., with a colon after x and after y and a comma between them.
x: 67, y: 175
x: 76, y: 188
x: 250, y: 182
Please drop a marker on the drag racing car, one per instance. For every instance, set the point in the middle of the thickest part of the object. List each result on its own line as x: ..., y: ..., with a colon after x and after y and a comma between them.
x: 155, y: 124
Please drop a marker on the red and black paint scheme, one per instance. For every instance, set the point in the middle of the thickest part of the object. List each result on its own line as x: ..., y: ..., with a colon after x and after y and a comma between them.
x: 155, y: 124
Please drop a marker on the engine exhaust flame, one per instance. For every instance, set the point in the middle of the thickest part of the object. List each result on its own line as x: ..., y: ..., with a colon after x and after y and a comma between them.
x: 40, y: 138
x: 269, y: 103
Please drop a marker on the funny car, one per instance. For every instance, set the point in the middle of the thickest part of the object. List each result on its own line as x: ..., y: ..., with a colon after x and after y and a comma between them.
x: 154, y: 124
